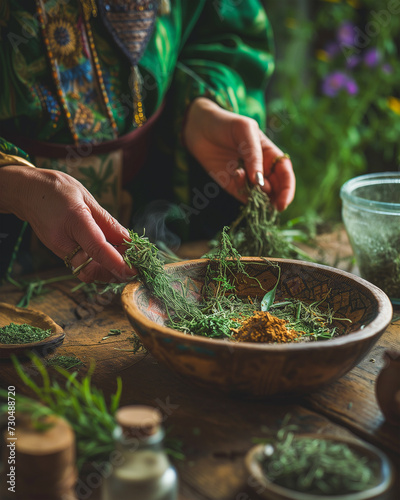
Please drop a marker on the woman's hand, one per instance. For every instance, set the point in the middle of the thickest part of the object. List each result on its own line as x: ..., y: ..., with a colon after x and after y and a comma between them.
x: 218, y: 139
x: 63, y: 214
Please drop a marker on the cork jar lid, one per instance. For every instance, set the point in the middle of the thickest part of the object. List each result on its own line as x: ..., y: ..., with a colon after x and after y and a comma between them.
x: 56, y: 439
x: 45, y: 460
x: 137, y: 419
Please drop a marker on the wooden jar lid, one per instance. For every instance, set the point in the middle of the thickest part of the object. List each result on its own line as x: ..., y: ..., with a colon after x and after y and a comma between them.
x: 58, y: 438
x: 45, y: 460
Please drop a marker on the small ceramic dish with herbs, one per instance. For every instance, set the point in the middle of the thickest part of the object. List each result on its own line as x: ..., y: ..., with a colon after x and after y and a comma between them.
x: 314, y: 466
x: 24, y: 329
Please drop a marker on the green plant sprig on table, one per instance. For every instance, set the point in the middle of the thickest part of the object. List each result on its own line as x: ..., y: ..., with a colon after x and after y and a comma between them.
x: 63, y: 361
x: 35, y: 288
x: 79, y: 402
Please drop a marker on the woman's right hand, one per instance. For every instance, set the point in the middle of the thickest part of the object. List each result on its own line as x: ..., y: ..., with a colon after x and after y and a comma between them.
x: 63, y: 214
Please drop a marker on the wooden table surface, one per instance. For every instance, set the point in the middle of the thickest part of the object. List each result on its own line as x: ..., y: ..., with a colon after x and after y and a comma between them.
x: 216, y: 430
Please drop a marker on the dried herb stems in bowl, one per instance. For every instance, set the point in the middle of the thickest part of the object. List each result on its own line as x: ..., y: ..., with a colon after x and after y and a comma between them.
x: 318, y: 466
x: 221, y: 313
x: 314, y: 466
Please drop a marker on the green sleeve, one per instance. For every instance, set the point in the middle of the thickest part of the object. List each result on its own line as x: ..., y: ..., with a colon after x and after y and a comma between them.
x: 9, y: 149
x: 228, y: 57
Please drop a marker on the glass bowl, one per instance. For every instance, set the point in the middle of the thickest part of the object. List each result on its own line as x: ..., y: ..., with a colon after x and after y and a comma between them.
x: 371, y: 215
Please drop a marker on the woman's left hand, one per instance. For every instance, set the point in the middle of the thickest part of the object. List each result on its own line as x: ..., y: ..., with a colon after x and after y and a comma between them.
x: 218, y: 139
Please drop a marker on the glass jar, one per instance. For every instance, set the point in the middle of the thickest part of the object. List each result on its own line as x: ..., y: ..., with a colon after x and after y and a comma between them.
x: 371, y: 215
x: 142, y: 469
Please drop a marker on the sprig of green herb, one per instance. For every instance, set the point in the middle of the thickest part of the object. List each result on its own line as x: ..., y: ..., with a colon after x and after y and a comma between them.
x: 220, y: 307
x: 137, y: 345
x: 79, y: 402
x: 35, y: 288
x: 256, y: 233
x: 310, y: 319
x: 66, y: 362
x: 112, y: 332
x: 143, y: 255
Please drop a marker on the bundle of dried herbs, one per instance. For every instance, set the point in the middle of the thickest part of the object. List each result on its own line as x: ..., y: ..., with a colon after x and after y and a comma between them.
x: 317, y: 466
x: 143, y: 256
x: 212, y: 315
x: 22, y: 334
x: 220, y: 306
x: 256, y: 232
x: 220, y: 313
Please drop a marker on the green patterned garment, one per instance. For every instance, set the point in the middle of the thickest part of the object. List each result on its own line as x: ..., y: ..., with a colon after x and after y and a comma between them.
x: 218, y: 48
x: 221, y: 49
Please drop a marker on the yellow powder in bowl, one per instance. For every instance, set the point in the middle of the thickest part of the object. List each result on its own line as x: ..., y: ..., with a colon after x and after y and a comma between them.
x: 264, y: 327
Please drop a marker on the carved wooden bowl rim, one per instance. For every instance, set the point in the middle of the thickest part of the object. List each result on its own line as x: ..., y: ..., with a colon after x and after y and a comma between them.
x: 378, y: 324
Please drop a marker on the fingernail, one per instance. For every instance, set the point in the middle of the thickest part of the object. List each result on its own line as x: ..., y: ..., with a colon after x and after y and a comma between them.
x: 125, y: 233
x: 260, y: 179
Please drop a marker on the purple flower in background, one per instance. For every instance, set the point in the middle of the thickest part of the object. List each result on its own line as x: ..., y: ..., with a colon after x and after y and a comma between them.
x: 345, y: 34
x: 372, y: 57
x: 352, y: 61
x: 351, y: 87
x: 337, y: 81
x: 333, y: 83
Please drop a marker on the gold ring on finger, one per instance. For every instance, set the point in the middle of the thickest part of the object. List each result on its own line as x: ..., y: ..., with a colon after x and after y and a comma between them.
x: 277, y: 160
x: 78, y: 269
x: 67, y: 258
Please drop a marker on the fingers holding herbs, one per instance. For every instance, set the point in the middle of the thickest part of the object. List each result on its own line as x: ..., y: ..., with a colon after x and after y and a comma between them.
x: 233, y: 150
x: 101, y: 238
x: 279, y: 178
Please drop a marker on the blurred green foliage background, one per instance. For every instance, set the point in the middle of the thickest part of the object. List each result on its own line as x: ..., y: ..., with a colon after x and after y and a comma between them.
x: 334, y: 100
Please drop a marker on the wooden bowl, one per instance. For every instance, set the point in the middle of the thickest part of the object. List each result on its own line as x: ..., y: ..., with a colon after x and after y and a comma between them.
x: 269, y: 490
x: 12, y: 314
x: 255, y: 369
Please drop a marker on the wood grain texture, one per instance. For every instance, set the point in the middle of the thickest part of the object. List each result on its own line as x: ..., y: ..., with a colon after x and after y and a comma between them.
x: 216, y: 430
